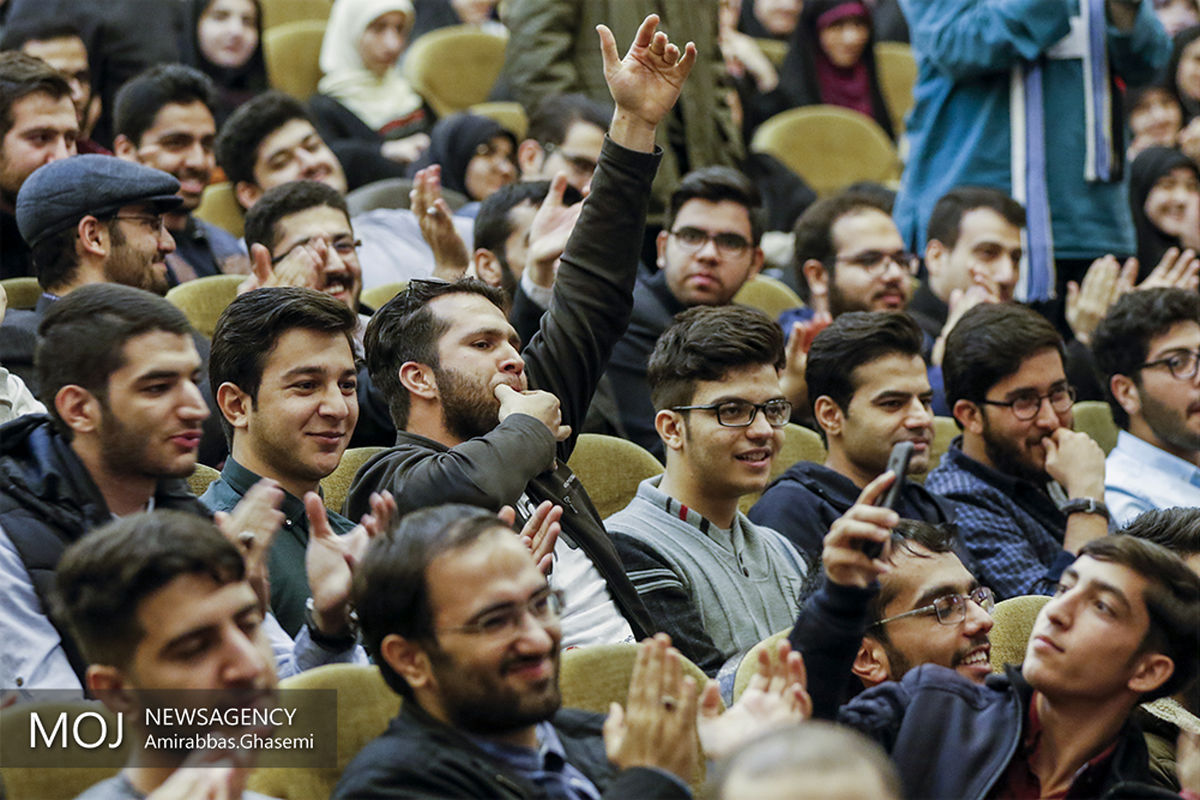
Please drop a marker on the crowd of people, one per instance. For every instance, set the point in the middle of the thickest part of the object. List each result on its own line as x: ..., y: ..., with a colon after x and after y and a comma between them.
x: 581, y: 276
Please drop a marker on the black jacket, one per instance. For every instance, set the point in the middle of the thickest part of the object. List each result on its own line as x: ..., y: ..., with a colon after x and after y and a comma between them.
x: 48, y: 500
x: 420, y: 757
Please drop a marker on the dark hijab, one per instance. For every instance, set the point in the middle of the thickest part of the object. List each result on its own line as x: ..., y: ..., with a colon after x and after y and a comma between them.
x: 1151, y: 165
x: 453, y: 143
x: 807, y: 77
x: 234, y: 85
x: 1191, y: 105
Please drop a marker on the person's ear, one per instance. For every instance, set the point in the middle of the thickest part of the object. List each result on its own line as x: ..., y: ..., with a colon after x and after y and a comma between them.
x: 487, y: 267
x: 92, y: 236
x: 871, y: 663
x: 1126, y: 393
x: 108, y: 683
x: 969, y: 415
x: 124, y: 148
x: 419, y: 380
x: 660, y: 245
x: 756, y: 262
x: 1151, y: 670
x: 829, y: 415
x: 530, y: 158
x: 935, y: 254
x: 235, y: 405
x: 407, y: 659
x: 818, y: 279
x: 247, y: 194
x: 78, y: 408
x: 671, y: 428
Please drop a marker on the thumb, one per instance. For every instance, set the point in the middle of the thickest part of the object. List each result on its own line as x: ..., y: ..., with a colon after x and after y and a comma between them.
x: 710, y: 700
x: 504, y: 392
x: 318, y: 520
x: 1051, y: 448
x: 608, y: 49
x: 260, y: 259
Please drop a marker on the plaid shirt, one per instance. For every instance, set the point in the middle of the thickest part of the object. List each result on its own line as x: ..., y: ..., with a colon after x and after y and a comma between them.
x: 1012, y: 527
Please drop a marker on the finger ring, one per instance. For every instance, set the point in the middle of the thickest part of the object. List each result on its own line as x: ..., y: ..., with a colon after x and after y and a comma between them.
x: 246, y: 538
x: 669, y: 702
x: 432, y: 210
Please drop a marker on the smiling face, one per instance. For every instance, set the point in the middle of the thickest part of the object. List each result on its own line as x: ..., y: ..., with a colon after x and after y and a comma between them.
x: 340, y: 276
x: 1187, y: 74
x: 1157, y: 118
x: 138, y: 246
x: 293, y: 152
x: 844, y: 41
x: 1014, y: 446
x: 300, y: 422
x: 708, y: 275
x: 180, y: 142
x: 228, y: 32
x: 987, y: 253
x: 44, y: 129
x: 1172, y: 200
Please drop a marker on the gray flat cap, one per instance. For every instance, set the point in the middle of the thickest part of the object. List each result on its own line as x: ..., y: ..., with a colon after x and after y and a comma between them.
x: 55, y: 197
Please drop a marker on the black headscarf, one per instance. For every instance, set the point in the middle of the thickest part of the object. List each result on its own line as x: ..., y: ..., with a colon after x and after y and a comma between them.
x: 1191, y: 105
x: 234, y: 85
x: 1150, y: 165
x: 453, y: 143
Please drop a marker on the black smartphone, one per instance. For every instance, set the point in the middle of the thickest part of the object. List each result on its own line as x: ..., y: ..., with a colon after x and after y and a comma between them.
x: 898, y: 464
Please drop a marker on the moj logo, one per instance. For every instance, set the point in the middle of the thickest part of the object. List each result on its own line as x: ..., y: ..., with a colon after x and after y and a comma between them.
x: 88, y: 730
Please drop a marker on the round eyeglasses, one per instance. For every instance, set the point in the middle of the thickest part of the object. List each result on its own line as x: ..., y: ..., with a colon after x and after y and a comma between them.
x: 1026, y: 406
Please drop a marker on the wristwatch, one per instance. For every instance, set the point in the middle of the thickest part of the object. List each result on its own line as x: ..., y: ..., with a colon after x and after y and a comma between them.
x: 342, y: 641
x: 1085, y: 505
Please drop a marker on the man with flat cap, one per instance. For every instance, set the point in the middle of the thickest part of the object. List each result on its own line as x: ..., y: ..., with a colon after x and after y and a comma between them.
x: 88, y: 219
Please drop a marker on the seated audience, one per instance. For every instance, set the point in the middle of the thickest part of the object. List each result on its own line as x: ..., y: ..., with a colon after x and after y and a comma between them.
x: 1028, y: 490
x: 1164, y: 196
x: 1148, y: 348
x: 223, y: 39
x: 476, y: 155
x: 713, y: 580
x: 283, y: 366
x: 38, y: 124
x: 869, y: 391
x: 482, y: 712
x: 706, y: 253
x: 118, y: 369
x: 164, y: 119
x: 366, y: 109
x: 1123, y: 628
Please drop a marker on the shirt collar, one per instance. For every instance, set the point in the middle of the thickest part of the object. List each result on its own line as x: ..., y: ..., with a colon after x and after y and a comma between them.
x: 241, y: 479
x: 1157, y: 459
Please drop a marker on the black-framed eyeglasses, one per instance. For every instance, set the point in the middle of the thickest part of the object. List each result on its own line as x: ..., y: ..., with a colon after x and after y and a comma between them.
x: 344, y: 246
x: 1027, y: 406
x: 728, y: 244
x: 950, y: 609
x: 545, y: 607
x: 582, y: 165
x: 155, y: 222
x: 875, y: 262
x: 1182, y: 364
x: 741, y: 413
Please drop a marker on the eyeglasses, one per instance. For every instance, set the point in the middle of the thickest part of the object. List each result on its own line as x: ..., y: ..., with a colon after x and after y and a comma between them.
x: 344, y: 246
x: 741, y: 414
x: 1183, y: 364
x: 545, y: 607
x: 1027, y: 406
x: 728, y: 244
x: 154, y: 221
x: 875, y: 262
x: 950, y: 609
x: 582, y: 165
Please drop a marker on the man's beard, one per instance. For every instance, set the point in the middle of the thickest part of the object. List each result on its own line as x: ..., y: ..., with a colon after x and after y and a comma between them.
x: 1168, y: 424
x: 1009, y: 460
x: 469, y: 409
x: 479, y: 704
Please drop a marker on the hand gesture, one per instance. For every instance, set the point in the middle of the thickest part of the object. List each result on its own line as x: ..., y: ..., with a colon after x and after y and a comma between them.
x: 775, y: 697
x: 960, y: 302
x: 1175, y: 270
x: 251, y: 527
x: 646, y: 83
x: 844, y: 561
x: 536, y: 403
x: 1076, y: 461
x: 548, y: 233
x: 406, y: 150
x: 302, y: 266
x: 435, y: 219
x: 657, y: 726
x: 1104, y: 282
x: 540, y: 532
x: 330, y: 559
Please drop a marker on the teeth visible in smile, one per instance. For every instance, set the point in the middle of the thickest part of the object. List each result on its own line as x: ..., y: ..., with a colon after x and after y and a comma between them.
x: 978, y: 657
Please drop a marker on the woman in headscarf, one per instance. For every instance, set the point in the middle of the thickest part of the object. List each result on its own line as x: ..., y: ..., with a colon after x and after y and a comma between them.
x: 1164, y: 196
x: 223, y: 39
x: 367, y: 112
x: 476, y: 155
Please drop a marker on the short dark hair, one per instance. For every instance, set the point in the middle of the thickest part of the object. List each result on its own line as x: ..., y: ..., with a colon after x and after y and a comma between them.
x: 715, y: 184
x: 814, y: 231
x: 945, y: 221
x: 1172, y: 600
x: 391, y: 593
x: 907, y: 537
x: 493, y: 223
x: 554, y: 115
x: 853, y: 339
x: 243, y: 133
x: 81, y: 340
x: 988, y: 344
x: 38, y: 29
x: 1121, y: 342
x: 55, y: 259
x: 104, y: 577
x: 706, y: 342
x: 262, y: 220
x: 406, y: 329
x: 1177, y: 529
x: 21, y: 76
x: 250, y: 327
x: 141, y: 98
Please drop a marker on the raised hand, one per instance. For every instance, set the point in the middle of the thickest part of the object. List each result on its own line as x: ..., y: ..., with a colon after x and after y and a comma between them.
x: 548, y: 233
x: 1104, y: 282
x: 842, y: 557
x: 251, y: 527
x: 1175, y: 270
x: 645, y: 83
x: 434, y: 217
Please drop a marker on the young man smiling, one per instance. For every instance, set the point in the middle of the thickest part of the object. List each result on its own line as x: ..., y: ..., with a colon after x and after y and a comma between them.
x: 713, y: 580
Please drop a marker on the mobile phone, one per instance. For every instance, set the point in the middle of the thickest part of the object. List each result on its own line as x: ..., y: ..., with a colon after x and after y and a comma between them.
x: 897, y: 464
